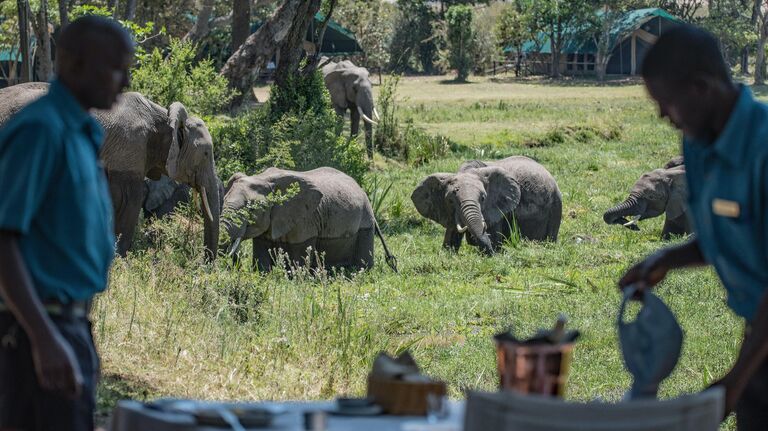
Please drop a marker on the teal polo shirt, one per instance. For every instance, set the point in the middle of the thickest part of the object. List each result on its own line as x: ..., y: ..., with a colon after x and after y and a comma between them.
x: 728, y: 202
x: 55, y: 196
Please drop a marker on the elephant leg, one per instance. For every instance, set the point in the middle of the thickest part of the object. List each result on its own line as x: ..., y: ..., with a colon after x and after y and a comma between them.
x: 127, y: 192
x: 261, y: 259
x: 363, y: 256
x: 354, y: 120
x: 452, y: 240
x: 678, y: 226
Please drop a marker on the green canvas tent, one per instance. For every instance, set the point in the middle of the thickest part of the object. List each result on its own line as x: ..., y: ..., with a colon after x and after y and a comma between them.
x: 631, y: 37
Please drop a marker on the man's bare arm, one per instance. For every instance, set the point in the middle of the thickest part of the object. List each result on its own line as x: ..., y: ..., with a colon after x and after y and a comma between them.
x: 55, y: 362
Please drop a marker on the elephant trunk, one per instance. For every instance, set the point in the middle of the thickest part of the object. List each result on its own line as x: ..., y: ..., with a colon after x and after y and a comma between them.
x: 633, y: 206
x: 211, y: 203
x: 473, y: 217
x: 234, y: 235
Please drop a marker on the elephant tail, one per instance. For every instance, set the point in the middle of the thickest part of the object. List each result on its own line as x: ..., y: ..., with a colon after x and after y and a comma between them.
x: 390, y: 258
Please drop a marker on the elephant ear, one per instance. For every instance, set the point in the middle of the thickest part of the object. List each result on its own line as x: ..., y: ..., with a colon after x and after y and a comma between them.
x: 296, y: 210
x: 158, y: 192
x: 678, y: 193
x: 503, y: 194
x: 236, y: 176
x: 471, y: 164
x: 429, y: 199
x: 177, y: 118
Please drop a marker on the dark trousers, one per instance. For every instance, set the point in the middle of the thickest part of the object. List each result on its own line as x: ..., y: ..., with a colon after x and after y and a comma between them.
x: 23, y: 404
x: 752, y: 407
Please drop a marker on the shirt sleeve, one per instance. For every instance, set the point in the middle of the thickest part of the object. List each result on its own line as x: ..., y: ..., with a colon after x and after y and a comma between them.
x: 28, y: 157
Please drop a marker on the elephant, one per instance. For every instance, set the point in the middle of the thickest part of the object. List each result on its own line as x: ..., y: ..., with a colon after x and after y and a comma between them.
x: 486, y: 199
x: 143, y: 139
x: 161, y: 197
x: 674, y: 162
x: 330, y: 215
x: 656, y: 192
x: 351, y: 88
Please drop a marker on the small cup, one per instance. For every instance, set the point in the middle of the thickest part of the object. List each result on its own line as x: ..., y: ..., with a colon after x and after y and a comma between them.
x: 315, y: 420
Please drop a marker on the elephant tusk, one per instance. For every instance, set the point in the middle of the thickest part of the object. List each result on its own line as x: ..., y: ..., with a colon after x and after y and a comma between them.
x: 461, y: 229
x: 376, y: 114
x: 235, y: 246
x: 205, y: 204
x: 365, y: 117
x: 633, y: 221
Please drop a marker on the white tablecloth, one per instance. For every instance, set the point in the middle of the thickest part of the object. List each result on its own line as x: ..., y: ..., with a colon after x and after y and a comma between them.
x: 134, y: 416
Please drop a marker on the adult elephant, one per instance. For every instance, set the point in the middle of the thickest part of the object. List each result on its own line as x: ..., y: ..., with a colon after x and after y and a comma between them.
x: 143, y: 139
x: 351, y: 89
x: 330, y: 215
x: 657, y: 192
x: 486, y: 199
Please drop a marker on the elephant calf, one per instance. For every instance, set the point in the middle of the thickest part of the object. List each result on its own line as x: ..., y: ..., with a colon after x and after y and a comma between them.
x: 656, y: 192
x: 330, y: 215
x: 161, y: 197
x: 486, y: 199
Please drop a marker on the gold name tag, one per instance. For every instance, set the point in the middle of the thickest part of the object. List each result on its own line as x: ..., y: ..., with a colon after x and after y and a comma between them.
x: 726, y: 208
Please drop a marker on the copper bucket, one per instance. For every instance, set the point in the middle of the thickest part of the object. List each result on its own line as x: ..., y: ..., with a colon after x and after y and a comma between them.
x: 533, y: 368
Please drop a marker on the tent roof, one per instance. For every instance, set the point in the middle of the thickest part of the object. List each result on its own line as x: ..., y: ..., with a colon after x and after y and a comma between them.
x: 583, y: 43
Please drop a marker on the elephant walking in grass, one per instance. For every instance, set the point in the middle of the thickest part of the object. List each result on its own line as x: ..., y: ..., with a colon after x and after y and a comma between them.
x: 656, y: 192
x: 143, y: 139
x: 351, y: 89
x: 490, y: 200
x: 330, y: 217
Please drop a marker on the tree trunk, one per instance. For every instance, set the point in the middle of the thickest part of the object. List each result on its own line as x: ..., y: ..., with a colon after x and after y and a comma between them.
x: 130, y: 10
x: 114, y: 6
x: 201, y: 27
x: 760, y: 58
x: 23, y: 8
x: 291, y: 50
x: 241, y: 22
x: 260, y: 46
x: 745, y: 61
x: 44, y: 65
x: 63, y: 13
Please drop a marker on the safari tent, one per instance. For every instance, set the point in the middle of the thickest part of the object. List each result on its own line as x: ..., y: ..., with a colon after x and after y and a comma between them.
x: 631, y: 37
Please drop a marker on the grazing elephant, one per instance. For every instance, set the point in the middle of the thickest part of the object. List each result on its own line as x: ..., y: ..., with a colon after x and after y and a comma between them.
x: 351, y: 88
x: 656, y: 192
x: 143, y: 139
x: 485, y: 199
x: 330, y: 214
x: 161, y: 197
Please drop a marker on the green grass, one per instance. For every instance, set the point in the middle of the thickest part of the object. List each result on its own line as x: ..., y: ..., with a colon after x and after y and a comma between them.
x: 171, y: 326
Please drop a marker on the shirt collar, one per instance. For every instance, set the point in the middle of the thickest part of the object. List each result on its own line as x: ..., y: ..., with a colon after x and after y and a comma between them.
x: 730, y: 144
x: 73, y: 114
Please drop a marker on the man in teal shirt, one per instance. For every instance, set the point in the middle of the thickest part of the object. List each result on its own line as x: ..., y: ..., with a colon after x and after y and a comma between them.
x: 725, y: 148
x: 56, y: 237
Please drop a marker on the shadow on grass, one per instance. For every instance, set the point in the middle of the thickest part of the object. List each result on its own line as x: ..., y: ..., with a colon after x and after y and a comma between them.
x: 113, y: 388
x: 569, y: 81
x: 454, y: 82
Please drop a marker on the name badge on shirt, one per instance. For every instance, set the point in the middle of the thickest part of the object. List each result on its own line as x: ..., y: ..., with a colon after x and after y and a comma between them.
x: 726, y: 208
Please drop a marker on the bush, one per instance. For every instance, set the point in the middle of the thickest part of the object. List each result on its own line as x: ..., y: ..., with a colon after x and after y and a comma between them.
x: 460, y: 40
x: 297, y: 129
x: 175, y: 77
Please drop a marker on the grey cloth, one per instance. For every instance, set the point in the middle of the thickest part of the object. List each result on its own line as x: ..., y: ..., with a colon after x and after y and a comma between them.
x: 650, y: 344
x: 512, y: 411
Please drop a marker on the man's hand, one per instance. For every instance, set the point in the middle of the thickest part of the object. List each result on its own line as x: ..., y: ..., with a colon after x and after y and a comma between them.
x: 647, y: 273
x: 56, y: 366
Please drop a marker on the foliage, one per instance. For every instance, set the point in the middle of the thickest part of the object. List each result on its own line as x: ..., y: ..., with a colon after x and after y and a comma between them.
x: 554, y: 17
x: 486, y: 43
x: 176, y: 77
x: 729, y: 21
x: 460, y: 39
x: 297, y: 129
x: 372, y: 23
x: 414, y: 42
x: 141, y: 33
x: 408, y: 143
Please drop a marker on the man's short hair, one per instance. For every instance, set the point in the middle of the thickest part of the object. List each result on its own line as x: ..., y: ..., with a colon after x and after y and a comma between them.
x: 91, y: 31
x: 683, y: 53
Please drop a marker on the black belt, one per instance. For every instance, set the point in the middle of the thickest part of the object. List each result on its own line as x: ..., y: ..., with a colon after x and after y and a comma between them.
x: 79, y: 309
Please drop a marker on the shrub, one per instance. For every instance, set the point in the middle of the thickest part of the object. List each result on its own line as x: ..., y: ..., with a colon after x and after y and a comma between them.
x: 460, y: 40
x: 176, y: 77
x: 297, y: 129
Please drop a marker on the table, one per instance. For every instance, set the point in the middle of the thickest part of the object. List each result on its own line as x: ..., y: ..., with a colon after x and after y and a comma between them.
x: 135, y: 416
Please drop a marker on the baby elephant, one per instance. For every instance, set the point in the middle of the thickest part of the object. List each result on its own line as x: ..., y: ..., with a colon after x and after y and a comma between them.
x: 486, y: 199
x: 656, y: 192
x: 330, y: 216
